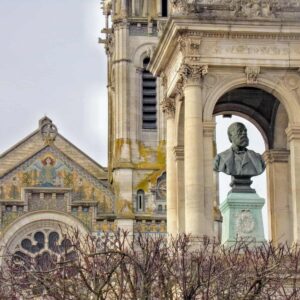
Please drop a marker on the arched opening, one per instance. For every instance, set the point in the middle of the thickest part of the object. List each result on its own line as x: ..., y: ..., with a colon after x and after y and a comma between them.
x: 266, y: 120
x: 256, y: 143
x: 140, y: 201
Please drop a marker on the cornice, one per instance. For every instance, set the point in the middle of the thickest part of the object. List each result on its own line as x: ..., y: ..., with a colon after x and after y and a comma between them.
x: 197, y: 31
x: 276, y: 155
x: 235, y: 9
x: 293, y: 132
x: 209, y: 129
x: 178, y: 152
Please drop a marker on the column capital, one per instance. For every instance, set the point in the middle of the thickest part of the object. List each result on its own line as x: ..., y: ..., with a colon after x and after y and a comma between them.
x: 168, y: 107
x: 192, y: 73
x: 209, y: 128
x: 178, y: 152
x: 276, y: 155
x: 293, y: 132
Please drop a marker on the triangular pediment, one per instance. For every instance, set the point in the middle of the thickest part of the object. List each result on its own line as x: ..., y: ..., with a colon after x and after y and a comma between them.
x: 47, y: 134
x: 51, y: 169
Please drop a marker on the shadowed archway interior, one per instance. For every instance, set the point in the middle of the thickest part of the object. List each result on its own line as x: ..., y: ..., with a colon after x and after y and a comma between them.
x: 257, y: 104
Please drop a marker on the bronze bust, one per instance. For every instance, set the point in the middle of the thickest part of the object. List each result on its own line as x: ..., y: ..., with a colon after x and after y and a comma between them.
x: 238, y: 161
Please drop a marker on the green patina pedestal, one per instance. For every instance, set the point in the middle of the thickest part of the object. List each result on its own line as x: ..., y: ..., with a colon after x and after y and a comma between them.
x: 242, y: 218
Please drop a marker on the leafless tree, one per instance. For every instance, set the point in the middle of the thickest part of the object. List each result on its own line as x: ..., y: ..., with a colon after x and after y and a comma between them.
x: 117, y: 265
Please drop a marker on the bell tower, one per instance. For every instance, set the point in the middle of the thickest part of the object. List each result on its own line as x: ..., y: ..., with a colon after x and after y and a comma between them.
x: 136, y: 125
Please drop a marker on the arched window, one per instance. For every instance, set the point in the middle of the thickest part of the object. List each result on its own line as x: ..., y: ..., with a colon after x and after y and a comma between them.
x: 164, y: 8
x: 149, y: 97
x: 140, y: 201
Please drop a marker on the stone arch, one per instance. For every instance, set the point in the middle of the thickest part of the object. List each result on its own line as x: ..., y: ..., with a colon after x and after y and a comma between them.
x: 277, y: 155
x: 140, y: 53
x: 34, y: 221
x: 283, y: 95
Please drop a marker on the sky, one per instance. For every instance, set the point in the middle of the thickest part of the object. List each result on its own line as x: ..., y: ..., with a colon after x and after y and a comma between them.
x: 51, y: 64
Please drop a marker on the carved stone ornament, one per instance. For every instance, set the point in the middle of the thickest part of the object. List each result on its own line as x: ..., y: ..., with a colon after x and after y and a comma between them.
x: 168, y: 106
x: 164, y: 83
x: 254, y: 8
x: 189, y: 46
x: 249, y: 9
x: 252, y: 74
x: 245, y: 223
x: 49, y: 132
x: 107, y: 7
x: 179, y: 89
x: 192, y: 73
x: 182, y: 7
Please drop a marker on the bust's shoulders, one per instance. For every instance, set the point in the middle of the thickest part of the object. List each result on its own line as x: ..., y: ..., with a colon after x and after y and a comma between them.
x: 226, y: 152
x: 251, y: 152
x: 225, y: 155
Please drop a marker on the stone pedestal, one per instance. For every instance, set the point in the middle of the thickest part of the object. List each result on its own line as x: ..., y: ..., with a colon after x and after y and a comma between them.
x: 242, y: 218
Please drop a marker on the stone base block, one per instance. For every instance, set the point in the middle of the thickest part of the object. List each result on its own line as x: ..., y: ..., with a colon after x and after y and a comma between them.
x: 242, y: 218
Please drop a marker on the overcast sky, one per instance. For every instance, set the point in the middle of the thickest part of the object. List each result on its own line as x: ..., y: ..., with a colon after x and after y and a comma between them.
x: 51, y: 64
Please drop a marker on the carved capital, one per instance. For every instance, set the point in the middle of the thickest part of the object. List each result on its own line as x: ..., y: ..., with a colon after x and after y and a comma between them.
x: 276, y: 155
x: 293, y: 132
x: 168, y: 107
x: 178, y: 152
x: 252, y: 73
x: 190, y: 74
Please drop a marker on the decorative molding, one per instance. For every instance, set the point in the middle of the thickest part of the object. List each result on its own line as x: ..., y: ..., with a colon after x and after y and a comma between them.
x: 178, y: 91
x: 178, y: 152
x: 292, y: 81
x: 209, y: 129
x: 276, y: 155
x: 168, y: 107
x: 245, y: 223
x: 252, y: 73
x: 190, y: 73
x: 236, y: 9
x: 255, y: 9
x: 164, y: 83
x: 293, y: 132
x: 190, y: 45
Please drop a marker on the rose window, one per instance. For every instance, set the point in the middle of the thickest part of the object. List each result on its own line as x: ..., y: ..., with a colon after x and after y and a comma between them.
x: 44, y: 248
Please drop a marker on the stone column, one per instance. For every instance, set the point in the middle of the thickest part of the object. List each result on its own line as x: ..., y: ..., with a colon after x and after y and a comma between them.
x: 279, y: 210
x: 197, y: 222
x: 293, y: 135
x: 168, y: 107
x: 179, y: 164
x: 211, y: 208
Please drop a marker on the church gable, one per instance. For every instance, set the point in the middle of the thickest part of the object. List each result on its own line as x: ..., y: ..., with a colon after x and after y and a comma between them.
x: 47, y: 178
x: 47, y: 134
x: 51, y: 169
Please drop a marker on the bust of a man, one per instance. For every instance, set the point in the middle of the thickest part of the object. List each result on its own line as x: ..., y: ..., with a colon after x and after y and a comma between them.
x: 238, y: 161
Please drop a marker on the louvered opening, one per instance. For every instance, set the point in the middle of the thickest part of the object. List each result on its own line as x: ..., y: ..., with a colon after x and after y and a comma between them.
x: 149, y: 98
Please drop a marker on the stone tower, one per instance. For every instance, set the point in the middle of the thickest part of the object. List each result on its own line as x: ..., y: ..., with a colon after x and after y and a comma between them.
x: 136, y: 125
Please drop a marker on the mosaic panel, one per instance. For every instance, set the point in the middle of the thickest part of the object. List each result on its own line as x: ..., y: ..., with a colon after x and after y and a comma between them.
x: 51, y: 169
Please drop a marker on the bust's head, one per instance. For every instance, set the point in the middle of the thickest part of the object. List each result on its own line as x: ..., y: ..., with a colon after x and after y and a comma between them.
x: 237, y: 134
